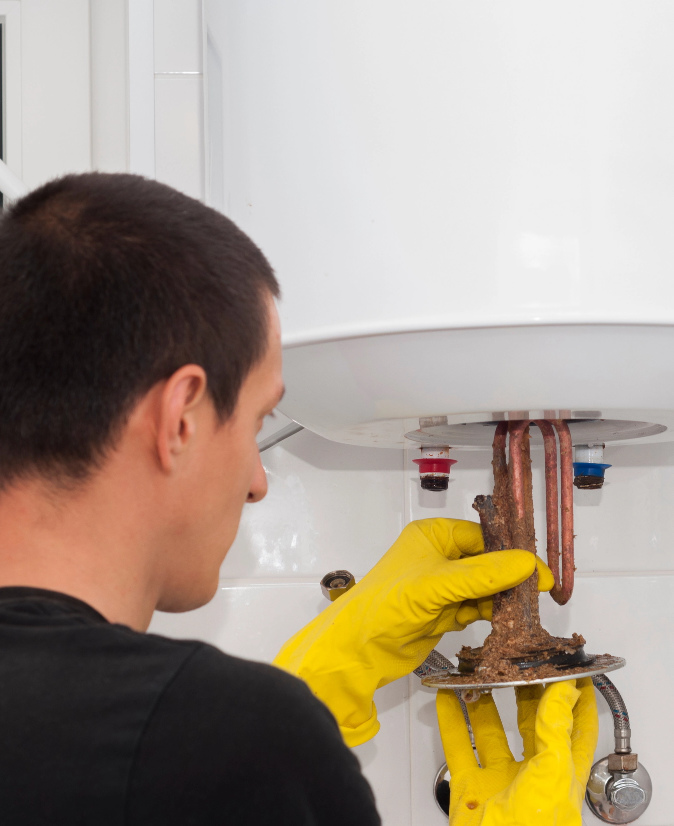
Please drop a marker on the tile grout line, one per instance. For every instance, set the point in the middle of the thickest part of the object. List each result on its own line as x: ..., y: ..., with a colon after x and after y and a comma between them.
x: 610, y: 574
x: 265, y: 582
x: 410, y: 754
x: 406, y: 516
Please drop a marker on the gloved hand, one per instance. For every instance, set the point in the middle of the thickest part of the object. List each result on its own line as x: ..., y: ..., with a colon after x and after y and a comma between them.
x: 559, y: 731
x: 432, y: 580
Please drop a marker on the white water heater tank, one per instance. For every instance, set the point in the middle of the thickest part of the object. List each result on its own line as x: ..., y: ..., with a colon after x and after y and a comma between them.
x: 469, y: 205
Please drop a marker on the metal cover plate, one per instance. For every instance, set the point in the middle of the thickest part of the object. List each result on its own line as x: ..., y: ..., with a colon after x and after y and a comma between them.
x: 603, y: 663
x: 583, y: 432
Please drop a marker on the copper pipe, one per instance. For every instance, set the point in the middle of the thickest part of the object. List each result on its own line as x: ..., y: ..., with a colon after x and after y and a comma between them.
x: 516, y: 430
x: 551, y: 498
x: 500, y: 437
x: 499, y: 462
x: 563, y: 587
x: 563, y: 594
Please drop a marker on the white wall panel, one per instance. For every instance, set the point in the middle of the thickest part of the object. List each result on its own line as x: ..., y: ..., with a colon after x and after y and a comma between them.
x: 629, y: 616
x: 140, y: 16
x: 328, y: 507
x: 179, y: 157
x: 177, y: 32
x: 109, y: 86
x: 625, y: 526
x: 56, y: 110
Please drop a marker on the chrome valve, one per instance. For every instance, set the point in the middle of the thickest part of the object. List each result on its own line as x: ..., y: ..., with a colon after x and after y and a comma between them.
x: 626, y: 794
x: 618, y: 796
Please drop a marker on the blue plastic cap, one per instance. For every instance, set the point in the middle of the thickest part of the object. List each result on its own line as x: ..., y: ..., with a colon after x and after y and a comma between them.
x: 589, y: 469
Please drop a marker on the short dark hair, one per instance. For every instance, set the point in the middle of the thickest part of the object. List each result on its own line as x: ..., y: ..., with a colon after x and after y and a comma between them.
x: 108, y: 284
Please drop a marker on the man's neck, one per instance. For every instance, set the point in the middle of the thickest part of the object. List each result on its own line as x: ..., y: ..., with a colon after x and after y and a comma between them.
x: 81, y: 544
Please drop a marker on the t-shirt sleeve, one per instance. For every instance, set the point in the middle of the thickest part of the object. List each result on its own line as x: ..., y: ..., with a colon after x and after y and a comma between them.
x: 236, y: 742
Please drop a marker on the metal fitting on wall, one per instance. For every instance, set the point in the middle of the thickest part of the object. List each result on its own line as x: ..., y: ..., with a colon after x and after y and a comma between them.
x: 337, y: 583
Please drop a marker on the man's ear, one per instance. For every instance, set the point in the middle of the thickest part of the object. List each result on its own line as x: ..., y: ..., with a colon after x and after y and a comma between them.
x: 181, y: 395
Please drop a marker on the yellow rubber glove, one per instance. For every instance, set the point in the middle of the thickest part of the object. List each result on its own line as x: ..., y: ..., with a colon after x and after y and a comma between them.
x: 432, y: 580
x: 559, y: 732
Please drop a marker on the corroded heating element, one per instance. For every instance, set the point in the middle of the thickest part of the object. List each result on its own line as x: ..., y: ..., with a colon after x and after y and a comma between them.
x: 519, y: 650
x: 564, y: 579
x: 517, y: 639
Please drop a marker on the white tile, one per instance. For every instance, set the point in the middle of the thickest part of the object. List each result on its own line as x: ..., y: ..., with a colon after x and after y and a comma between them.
x: 385, y: 760
x: 628, y: 525
x: 470, y: 476
x: 247, y: 620
x: 329, y: 506
x: 177, y: 36
x: 632, y: 617
x: 179, y: 151
x: 111, y: 81
x: 426, y: 755
x: 625, y: 526
x: 628, y: 616
x: 55, y: 90
x: 141, y: 88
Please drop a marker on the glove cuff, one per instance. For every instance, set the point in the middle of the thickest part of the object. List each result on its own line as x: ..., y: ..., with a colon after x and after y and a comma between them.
x: 362, y: 733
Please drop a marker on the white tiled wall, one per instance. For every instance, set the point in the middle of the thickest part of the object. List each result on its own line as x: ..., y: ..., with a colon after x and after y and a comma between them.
x: 179, y: 115
x: 46, y: 87
x: 331, y: 506
x: 623, y: 604
x: 335, y: 506
x: 177, y: 36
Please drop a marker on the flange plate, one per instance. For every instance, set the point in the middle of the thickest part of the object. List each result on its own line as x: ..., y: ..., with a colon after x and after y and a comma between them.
x: 602, y: 664
x: 583, y: 431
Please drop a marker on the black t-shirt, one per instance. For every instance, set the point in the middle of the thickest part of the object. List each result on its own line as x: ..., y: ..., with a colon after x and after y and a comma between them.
x: 102, y: 725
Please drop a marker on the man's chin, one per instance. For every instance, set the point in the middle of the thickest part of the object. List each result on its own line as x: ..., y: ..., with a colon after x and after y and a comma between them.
x: 187, y: 599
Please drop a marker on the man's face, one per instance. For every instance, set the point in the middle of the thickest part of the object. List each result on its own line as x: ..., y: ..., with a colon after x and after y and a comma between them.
x: 227, y: 473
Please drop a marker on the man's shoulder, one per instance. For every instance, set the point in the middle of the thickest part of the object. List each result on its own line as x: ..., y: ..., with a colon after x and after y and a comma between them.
x: 246, y: 740
x: 189, y: 672
x: 233, y: 682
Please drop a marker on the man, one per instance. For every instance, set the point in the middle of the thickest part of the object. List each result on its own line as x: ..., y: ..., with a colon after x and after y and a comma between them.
x: 139, y: 354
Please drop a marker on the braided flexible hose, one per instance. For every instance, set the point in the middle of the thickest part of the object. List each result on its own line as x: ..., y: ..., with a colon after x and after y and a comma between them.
x: 621, y: 719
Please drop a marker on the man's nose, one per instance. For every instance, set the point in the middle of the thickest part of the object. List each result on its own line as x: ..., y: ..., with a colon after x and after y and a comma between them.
x: 258, y: 485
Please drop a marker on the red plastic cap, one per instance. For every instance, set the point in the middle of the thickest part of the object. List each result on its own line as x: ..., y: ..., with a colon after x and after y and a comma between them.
x: 434, y: 465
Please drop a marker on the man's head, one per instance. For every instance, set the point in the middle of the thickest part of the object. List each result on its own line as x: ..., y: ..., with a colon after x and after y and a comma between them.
x: 139, y: 353
x: 109, y: 284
